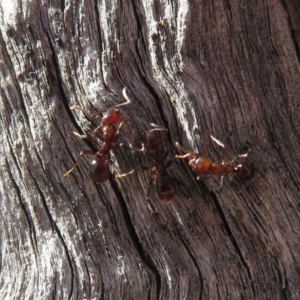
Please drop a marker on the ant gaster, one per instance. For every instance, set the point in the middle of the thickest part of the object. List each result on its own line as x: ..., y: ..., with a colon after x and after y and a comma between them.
x: 107, y: 133
x: 240, y: 167
x: 152, y: 145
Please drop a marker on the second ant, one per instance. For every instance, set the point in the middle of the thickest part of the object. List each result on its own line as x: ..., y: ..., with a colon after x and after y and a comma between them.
x: 152, y: 146
x: 240, y: 167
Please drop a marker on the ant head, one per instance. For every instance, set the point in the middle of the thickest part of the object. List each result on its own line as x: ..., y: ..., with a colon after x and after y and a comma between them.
x: 151, y: 140
x: 112, y: 116
x: 244, y: 171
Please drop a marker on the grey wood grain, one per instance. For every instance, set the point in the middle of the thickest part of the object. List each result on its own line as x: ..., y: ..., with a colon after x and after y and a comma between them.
x: 231, y: 67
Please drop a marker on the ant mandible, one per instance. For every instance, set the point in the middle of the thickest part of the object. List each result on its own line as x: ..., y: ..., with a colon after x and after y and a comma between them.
x: 152, y: 145
x: 107, y: 133
x: 240, y: 167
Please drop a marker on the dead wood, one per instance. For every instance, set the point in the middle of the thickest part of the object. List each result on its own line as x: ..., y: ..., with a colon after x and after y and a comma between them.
x: 230, y: 67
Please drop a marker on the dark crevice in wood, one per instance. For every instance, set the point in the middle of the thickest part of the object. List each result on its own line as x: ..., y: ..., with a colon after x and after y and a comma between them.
x: 63, y: 5
x: 59, y: 80
x: 195, y: 263
x: 156, y: 99
x: 86, y: 282
x: 285, y: 290
x: 135, y: 239
x: 217, y: 285
x: 54, y: 292
x: 137, y: 18
x: 233, y: 240
x: 161, y: 110
x: 139, y: 31
x: 100, y: 40
x: 285, y: 286
x: 228, y: 9
x: 294, y: 31
x: 55, y: 287
x: 56, y: 229
x: 244, y: 54
x: 101, y: 291
x: 12, y: 73
x: 137, y: 51
x: 282, y: 279
x: 33, y: 237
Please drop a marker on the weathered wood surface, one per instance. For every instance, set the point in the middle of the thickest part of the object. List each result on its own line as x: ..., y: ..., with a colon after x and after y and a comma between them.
x: 228, y: 66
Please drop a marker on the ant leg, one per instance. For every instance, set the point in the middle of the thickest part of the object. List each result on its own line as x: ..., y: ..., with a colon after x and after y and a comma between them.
x: 151, y: 182
x: 125, y: 174
x: 98, y: 134
x: 133, y: 149
x: 79, y: 158
x: 118, y: 130
x: 131, y: 172
x: 87, y: 137
x: 221, y: 185
x: 202, y: 177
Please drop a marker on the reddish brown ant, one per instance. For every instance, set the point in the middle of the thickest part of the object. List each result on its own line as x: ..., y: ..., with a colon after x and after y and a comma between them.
x: 152, y: 145
x: 240, y: 167
x: 107, y: 132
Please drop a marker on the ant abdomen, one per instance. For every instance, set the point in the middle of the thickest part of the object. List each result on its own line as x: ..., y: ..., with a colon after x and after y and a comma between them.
x: 101, y: 172
x: 166, y: 187
x: 244, y: 171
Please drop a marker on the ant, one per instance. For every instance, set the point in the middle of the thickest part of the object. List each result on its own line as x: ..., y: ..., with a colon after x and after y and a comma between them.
x: 152, y: 145
x: 240, y: 167
x: 108, y: 133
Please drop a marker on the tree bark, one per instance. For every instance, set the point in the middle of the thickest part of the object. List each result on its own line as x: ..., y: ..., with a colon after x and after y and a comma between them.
x: 230, y: 67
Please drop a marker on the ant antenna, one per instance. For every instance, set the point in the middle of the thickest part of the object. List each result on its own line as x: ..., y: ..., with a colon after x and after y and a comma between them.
x: 128, y: 101
x: 79, y: 108
x: 219, y: 143
x: 157, y: 128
